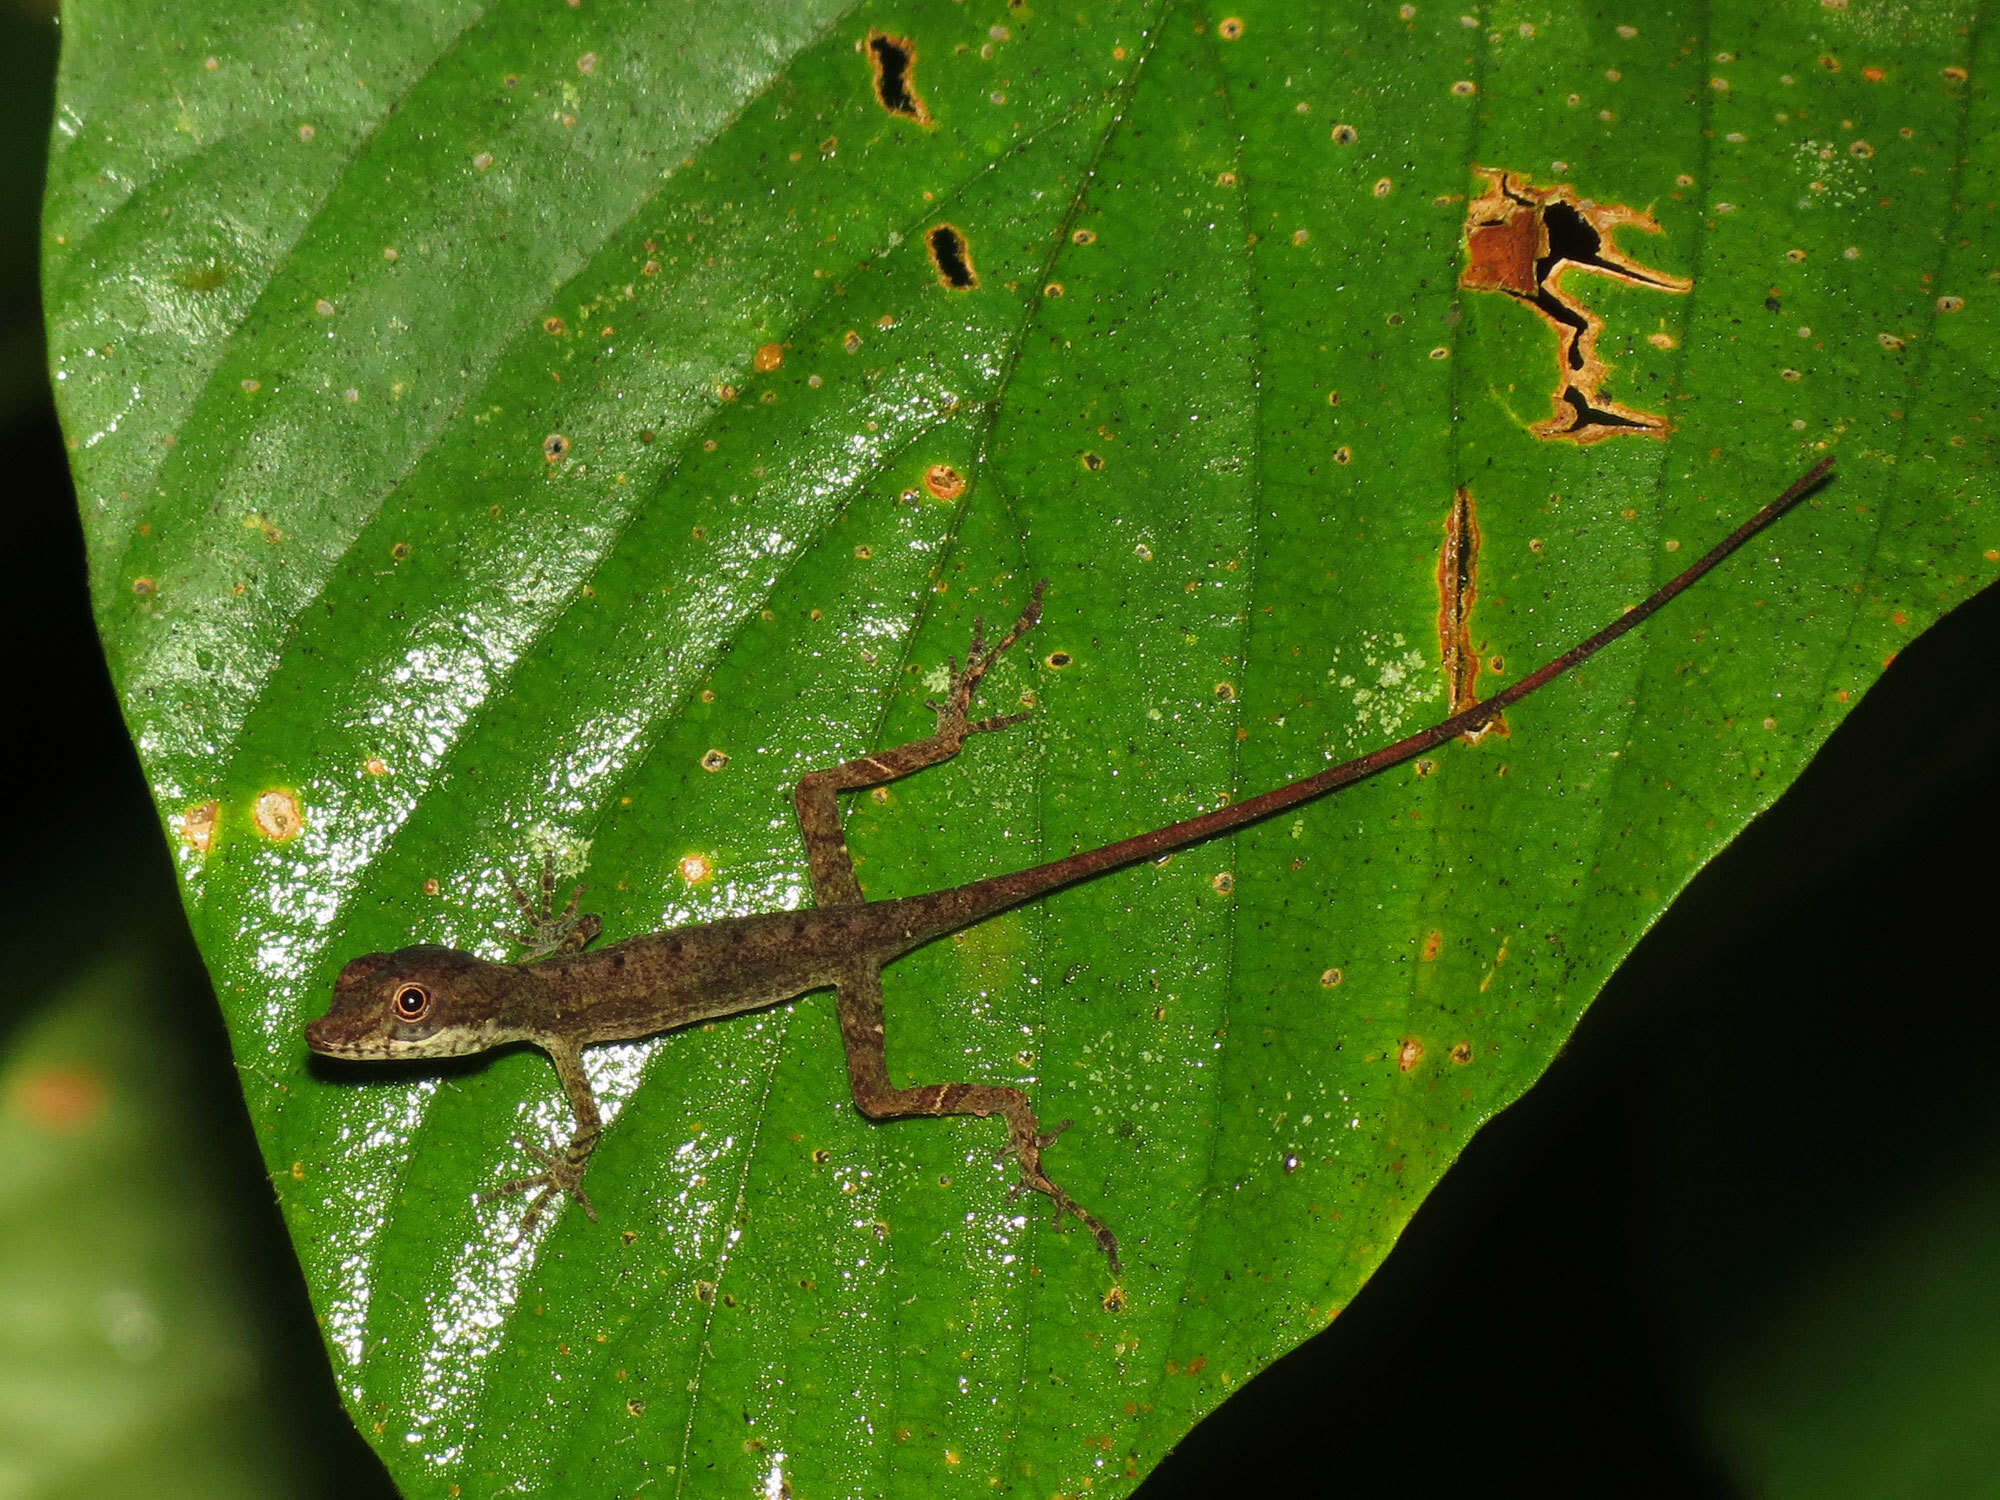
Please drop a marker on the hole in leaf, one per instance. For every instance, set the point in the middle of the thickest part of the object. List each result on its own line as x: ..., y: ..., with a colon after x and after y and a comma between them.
x: 893, y: 58
x: 1520, y: 240
x: 952, y: 257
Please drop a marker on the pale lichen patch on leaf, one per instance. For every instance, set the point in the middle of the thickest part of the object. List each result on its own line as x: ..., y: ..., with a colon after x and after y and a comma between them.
x: 1381, y: 707
x: 558, y: 846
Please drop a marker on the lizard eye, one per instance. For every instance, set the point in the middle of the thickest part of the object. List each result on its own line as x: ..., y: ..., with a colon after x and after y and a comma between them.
x: 412, y: 1003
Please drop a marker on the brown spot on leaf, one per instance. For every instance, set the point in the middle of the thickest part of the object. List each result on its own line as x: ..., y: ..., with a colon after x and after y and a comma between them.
x: 1433, y: 945
x: 1521, y: 240
x: 1458, y: 588
x: 1409, y: 1054
x: 198, y: 826
x: 943, y: 481
x: 277, y: 814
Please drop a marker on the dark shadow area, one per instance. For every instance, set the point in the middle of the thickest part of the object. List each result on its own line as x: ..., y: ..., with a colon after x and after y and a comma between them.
x: 90, y: 872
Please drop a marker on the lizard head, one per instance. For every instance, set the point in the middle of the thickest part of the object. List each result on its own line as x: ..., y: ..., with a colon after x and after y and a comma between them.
x: 419, y: 1002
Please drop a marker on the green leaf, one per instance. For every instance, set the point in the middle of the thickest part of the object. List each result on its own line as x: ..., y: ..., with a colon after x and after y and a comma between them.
x: 481, y: 416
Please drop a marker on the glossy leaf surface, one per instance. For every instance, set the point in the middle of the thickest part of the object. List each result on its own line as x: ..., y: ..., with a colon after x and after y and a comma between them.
x: 550, y: 428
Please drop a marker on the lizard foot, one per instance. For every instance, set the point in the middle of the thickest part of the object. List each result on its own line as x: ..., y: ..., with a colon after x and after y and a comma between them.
x: 952, y: 720
x: 550, y: 931
x: 561, y: 1172
x: 1034, y: 1178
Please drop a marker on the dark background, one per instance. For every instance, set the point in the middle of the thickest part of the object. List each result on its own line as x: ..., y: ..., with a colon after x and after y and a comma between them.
x: 1786, y: 1065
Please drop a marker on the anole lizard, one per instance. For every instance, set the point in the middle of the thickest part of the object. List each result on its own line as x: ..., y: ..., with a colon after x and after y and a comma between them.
x: 439, y: 1002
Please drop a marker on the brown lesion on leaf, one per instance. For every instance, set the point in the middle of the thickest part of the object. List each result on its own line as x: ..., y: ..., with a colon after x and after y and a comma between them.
x: 277, y: 814
x: 1458, y: 588
x: 1519, y: 240
x: 894, y: 59
x: 197, y: 826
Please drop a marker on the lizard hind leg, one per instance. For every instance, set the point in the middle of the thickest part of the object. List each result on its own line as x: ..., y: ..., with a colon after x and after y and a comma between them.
x: 861, y: 1034
x: 817, y: 796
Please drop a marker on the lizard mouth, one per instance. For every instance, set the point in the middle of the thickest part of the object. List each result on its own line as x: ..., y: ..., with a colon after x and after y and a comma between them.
x: 326, y: 1040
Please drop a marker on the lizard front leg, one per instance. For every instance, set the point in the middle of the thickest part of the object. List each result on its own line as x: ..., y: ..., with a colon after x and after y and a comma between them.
x: 818, y: 794
x: 550, y: 931
x: 861, y: 1034
x: 562, y: 1166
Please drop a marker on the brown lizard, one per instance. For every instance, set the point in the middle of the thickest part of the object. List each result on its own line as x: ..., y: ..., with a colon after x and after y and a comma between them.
x: 438, y: 1002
